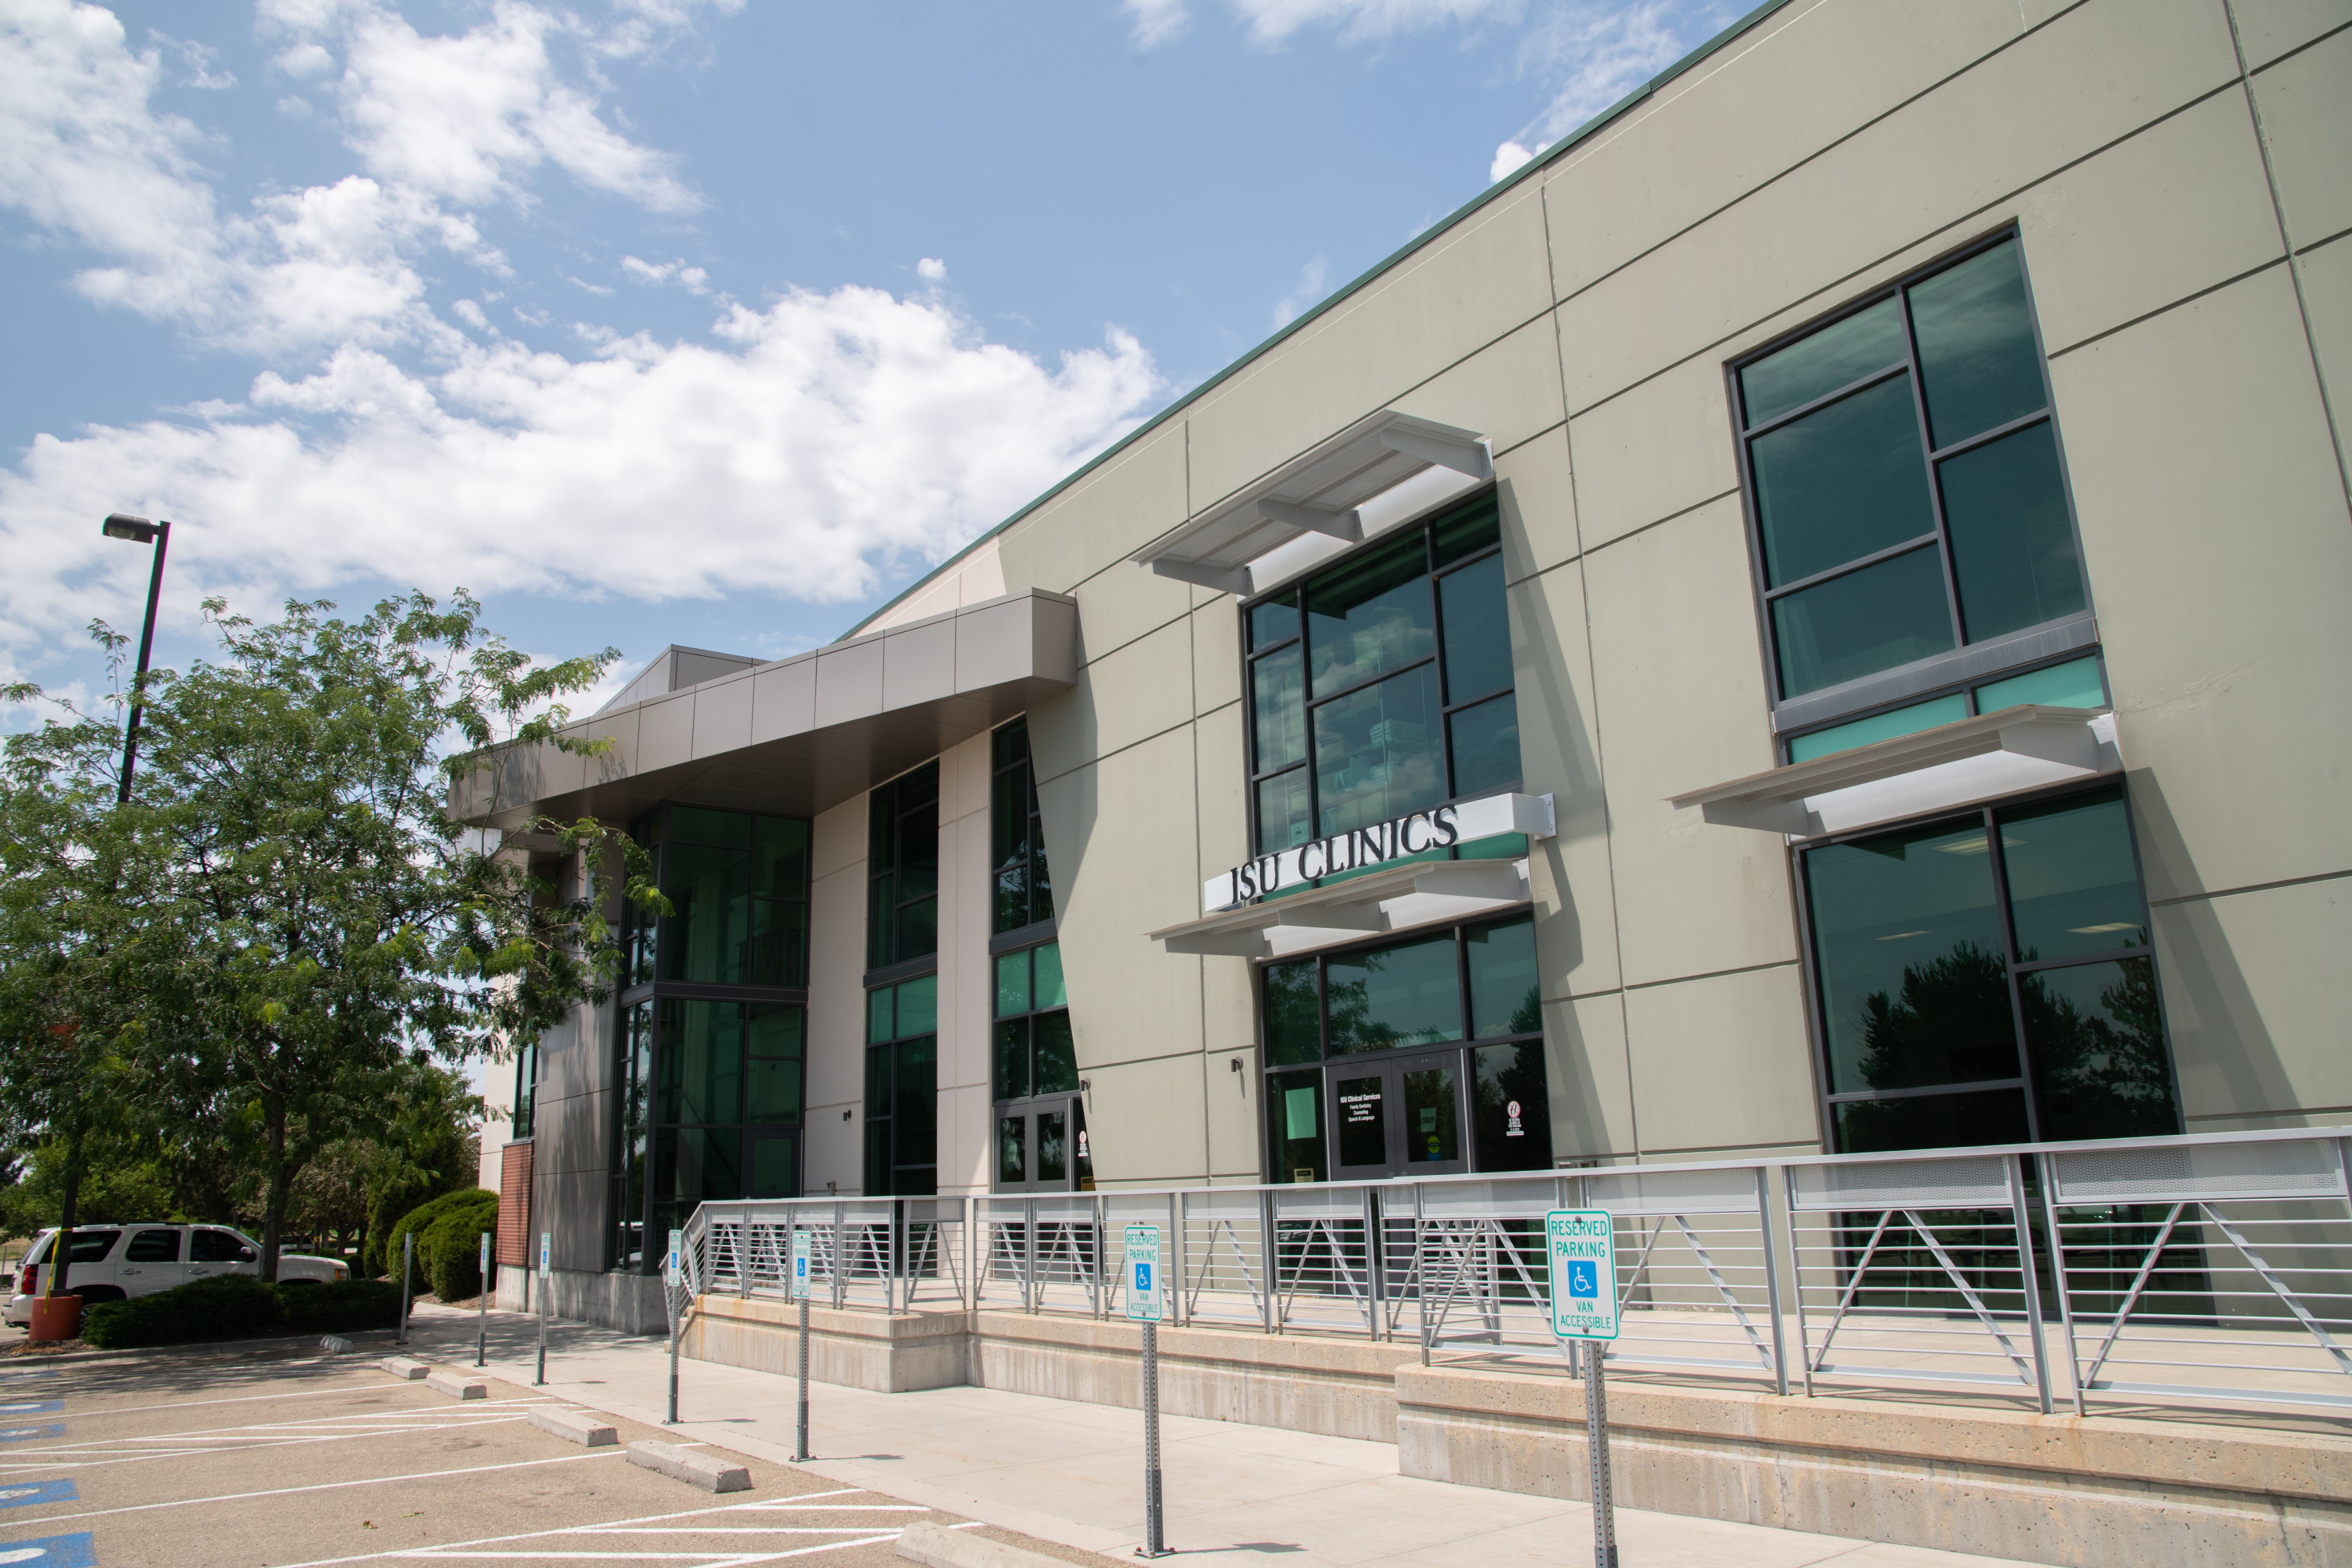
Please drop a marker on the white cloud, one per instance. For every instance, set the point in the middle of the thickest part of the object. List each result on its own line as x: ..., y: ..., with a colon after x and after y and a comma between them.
x: 463, y: 116
x: 1594, y: 52
x: 1508, y: 157
x: 693, y: 280
x: 1156, y: 22
x: 304, y: 59
x: 1273, y: 21
x: 806, y: 450
x: 1311, y: 281
x: 931, y: 268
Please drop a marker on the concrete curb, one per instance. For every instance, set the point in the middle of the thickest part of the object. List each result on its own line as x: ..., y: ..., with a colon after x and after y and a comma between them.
x: 937, y: 1546
x: 456, y: 1385
x: 408, y: 1369
x: 705, y: 1471
x: 576, y: 1426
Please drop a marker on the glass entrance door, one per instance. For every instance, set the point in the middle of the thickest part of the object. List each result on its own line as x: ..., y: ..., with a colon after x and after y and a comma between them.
x: 1040, y: 1146
x: 1397, y: 1118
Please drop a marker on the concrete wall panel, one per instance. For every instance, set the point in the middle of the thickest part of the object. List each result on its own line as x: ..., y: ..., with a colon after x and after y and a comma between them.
x: 2176, y: 209
x: 2254, y: 1035
x: 1575, y: 927
x: 849, y: 682
x: 1166, y: 1144
x: 1216, y: 655
x: 1939, y: 161
x: 1459, y: 293
x: 1507, y: 391
x: 783, y: 700
x: 1680, y: 704
x: 1138, y: 692
x: 1536, y: 494
x: 665, y: 731
x: 2269, y: 28
x: 1110, y: 513
x: 2220, y: 562
x: 831, y: 1151
x: 1791, y: 87
x: 1590, y: 1079
x: 1662, y: 446
x: 722, y: 716
x: 1742, y: 1037
x: 919, y: 664
x: 2306, y: 104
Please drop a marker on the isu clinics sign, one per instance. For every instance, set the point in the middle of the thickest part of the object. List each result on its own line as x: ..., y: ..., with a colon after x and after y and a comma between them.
x: 1416, y: 833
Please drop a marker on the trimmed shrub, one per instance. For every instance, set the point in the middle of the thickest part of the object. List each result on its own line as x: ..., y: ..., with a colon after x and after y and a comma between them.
x: 223, y: 1306
x: 348, y: 1306
x: 475, y: 1209
x: 451, y: 1247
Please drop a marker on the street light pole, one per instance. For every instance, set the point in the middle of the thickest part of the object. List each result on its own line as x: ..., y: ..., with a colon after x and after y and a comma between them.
x: 138, y: 531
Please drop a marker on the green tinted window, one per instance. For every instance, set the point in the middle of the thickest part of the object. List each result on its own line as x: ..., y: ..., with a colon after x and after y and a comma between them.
x: 918, y: 1006
x: 775, y: 1031
x: 1511, y: 1114
x: 1405, y: 996
x: 2075, y: 684
x: 1976, y: 345
x: 1050, y: 991
x: 1863, y: 622
x: 1879, y: 727
x: 2073, y: 886
x: 1370, y: 616
x: 1841, y: 483
x: 2012, y: 541
x: 1910, y: 956
x: 1813, y: 367
x: 1294, y: 1031
x: 1477, y: 629
x: 1485, y: 747
x: 1466, y: 532
x: 1278, y: 704
x: 1013, y: 985
x: 1295, y: 1109
x: 1504, y: 997
x: 881, y: 1017
x: 775, y: 1091
x: 1013, y: 1060
x: 780, y: 858
x: 693, y: 825
x: 1932, y: 1121
x: 1377, y: 750
x: 1056, y: 1055
x: 701, y: 1058
x: 1275, y: 621
x: 2098, y: 1051
x: 1283, y: 816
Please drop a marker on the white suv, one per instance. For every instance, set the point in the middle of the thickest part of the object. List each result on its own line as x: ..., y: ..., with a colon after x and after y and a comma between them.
x: 115, y: 1262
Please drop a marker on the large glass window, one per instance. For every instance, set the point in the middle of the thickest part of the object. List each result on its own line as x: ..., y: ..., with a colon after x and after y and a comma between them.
x: 1040, y: 1137
x: 708, y: 1053
x: 902, y: 1080
x: 1024, y: 892
x: 526, y: 1094
x: 1368, y: 1052
x: 902, y: 863
x: 1988, y: 979
x: 1905, y: 481
x: 1382, y: 685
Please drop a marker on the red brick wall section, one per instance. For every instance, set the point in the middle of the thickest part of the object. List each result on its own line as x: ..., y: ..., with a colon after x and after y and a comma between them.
x: 514, y: 1205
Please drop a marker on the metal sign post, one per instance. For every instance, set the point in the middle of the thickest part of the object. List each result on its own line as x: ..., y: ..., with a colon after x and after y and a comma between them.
x: 801, y: 1294
x: 407, y: 1261
x: 546, y: 1246
x: 1143, y: 1306
x: 482, y: 1307
x: 673, y: 1271
x: 1581, y: 1257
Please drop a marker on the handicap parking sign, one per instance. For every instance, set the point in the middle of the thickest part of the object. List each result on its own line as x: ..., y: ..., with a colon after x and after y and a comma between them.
x: 1581, y: 1257
x: 1143, y: 1303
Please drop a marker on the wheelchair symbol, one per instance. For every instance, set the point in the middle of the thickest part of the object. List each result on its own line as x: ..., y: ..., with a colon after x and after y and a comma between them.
x: 1143, y: 1279
x: 1583, y: 1279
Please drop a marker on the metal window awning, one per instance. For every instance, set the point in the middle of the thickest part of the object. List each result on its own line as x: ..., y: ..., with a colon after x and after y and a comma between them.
x: 1318, y: 493
x: 1961, y: 764
x: 1421, y: 893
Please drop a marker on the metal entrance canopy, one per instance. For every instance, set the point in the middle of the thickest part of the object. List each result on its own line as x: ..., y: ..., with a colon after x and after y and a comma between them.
x: 1316, y: 493
x: 1950, y: 765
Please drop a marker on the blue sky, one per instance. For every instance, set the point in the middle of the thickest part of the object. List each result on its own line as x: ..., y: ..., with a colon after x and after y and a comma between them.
x: 677, y: 321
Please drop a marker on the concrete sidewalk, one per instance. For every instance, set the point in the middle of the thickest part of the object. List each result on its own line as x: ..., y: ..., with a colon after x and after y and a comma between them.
x: 1073, y: 1473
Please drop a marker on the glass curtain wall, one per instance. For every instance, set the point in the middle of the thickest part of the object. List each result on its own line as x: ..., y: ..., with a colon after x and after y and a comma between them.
x: 1904, y: 480
x: 1041, y: 1117
x: 1988, y: 978
x: 1382, y: 685
x: 902, y: 1083
x: 708, y: 1051
x: 526, y: 1092
x: 902, y: 863
x: 1408, y: 1057
x: 1024, y: 890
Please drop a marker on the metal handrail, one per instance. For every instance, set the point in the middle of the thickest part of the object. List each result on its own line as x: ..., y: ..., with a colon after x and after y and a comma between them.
x: 2207, y: 1269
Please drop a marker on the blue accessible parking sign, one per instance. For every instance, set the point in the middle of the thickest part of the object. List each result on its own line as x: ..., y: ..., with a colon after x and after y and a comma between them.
x: 1581, y: 1255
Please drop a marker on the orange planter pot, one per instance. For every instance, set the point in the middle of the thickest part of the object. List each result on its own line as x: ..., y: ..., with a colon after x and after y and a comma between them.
x: 55, y: 1317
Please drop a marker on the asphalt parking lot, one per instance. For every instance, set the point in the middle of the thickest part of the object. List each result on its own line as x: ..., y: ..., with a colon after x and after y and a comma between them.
x: 290, y: 1458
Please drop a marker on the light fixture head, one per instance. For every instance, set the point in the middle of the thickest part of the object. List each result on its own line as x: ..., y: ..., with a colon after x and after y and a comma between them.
x: 138, y: 530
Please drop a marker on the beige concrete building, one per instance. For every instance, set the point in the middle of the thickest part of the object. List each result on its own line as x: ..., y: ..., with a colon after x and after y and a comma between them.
x: 1813, y: 616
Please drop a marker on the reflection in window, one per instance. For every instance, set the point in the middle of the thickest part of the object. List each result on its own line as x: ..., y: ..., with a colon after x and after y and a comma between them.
x: 1937, y: 970
x: 902, y: 867
x: 1025, y: 893
x: 1408, y: 994
x: 1381, y: 686
x: 902, y: 1089
x: 1938, y: 435
x: 1036, y: 1072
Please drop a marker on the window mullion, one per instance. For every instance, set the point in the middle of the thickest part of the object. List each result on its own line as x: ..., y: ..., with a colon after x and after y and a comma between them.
x: 1848, y: 568
x: 1935, y: 489
x: 1860, y: 384
x: 1986, y: 438
x: 2009, y: 968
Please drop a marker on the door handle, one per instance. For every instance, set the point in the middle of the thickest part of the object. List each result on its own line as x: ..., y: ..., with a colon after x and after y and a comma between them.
x: 128, y: 1272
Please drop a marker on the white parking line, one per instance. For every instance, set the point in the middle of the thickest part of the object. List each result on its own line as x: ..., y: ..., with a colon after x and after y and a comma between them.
x: 706, y: 1559
x: 335, y: 1486
x: 608, y: 1524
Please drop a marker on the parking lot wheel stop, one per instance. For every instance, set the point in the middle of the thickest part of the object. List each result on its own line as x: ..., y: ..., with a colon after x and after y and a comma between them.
x: 705, y: 1471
